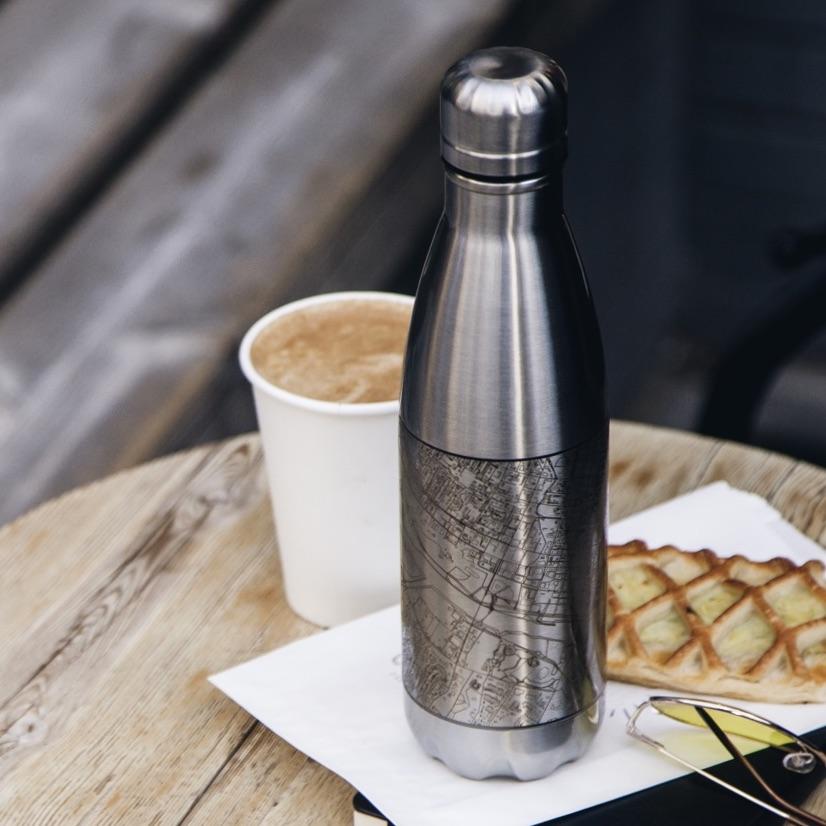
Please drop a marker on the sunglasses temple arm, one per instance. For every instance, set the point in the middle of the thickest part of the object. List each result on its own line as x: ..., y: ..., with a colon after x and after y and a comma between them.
x: 632, y: 730
x: 763, y: 804
x: 791, y: 809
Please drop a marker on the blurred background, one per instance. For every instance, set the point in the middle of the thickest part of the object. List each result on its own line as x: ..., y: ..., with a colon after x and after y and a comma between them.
x: 169, y: 171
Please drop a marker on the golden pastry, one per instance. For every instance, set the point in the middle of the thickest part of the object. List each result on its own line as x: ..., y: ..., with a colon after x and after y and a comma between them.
x: 694, y: 621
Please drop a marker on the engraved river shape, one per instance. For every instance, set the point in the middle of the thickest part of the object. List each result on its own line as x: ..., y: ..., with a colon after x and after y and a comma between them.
x: 490, y: 623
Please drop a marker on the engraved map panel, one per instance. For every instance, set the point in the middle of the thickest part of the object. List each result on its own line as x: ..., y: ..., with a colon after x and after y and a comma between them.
x: 502, y: 583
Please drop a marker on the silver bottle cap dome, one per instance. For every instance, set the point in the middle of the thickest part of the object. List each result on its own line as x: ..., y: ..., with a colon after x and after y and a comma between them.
x: 504, y: 113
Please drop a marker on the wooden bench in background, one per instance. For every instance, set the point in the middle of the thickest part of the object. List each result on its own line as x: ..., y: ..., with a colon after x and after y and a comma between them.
x: 173, y: 170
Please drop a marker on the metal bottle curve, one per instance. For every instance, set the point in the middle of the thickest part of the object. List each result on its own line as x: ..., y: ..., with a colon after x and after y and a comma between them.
x: 503, y: 442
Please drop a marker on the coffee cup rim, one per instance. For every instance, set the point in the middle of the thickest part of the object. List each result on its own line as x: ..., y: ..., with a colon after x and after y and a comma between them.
x: 295, y: 399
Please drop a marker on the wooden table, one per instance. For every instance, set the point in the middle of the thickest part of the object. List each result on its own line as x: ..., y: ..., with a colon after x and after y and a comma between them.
x: 121, y: 597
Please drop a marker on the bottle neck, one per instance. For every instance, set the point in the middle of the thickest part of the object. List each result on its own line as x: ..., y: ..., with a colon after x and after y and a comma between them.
x: 501, y: 207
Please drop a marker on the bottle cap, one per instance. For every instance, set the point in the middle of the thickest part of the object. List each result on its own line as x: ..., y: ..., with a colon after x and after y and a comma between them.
x: 504, y: 113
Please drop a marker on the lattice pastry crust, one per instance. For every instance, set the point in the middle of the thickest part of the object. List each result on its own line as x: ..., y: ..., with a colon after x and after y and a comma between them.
x: 698, y: 622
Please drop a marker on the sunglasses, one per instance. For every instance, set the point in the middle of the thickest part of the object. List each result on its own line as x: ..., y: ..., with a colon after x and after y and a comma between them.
x: 739, y: 732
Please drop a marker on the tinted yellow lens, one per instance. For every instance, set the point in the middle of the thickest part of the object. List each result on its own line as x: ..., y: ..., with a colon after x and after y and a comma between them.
x: 729, y: 723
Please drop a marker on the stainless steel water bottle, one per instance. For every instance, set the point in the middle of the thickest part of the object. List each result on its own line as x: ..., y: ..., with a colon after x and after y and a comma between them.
x: 503, y: 442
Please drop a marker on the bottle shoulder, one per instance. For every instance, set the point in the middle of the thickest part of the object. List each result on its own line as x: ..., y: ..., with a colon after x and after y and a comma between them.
x: 504, y: 357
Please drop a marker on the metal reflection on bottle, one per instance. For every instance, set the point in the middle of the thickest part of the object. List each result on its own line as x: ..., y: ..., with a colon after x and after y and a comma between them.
x: 501, y: 607
x: 503, y: 442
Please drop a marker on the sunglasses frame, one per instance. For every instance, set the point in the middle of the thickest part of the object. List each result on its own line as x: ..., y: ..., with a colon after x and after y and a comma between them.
x: 792, y: 813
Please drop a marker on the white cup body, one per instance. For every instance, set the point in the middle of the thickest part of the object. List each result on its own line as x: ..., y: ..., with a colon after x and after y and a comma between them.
x: 333, y: 472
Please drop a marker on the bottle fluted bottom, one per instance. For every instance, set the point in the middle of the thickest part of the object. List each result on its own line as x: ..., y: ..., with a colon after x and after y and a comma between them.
x: 522, y: 753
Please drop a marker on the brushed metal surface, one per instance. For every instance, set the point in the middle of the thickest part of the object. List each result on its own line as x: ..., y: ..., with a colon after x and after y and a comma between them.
x: 526, y: 753
x: 504, y: 113
x: 503, y: 608
x: 504, y: 359
x: 503, y: 443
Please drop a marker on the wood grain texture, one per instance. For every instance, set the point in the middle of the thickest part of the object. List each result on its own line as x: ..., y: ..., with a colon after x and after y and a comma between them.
x: 124, y: 672
x: 120, y: 598
x: 76, y: 78
x: 220, y: 220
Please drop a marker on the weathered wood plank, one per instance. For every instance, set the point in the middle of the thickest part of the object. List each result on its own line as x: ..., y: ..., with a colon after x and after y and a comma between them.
x: 33, y: 610
x: 317, y: 796
x: 251, y: 783
x: 212, y: 227
x: 801, y: 497
x: 651, y: 465
x: 126, y: 679
x: 75, y: 80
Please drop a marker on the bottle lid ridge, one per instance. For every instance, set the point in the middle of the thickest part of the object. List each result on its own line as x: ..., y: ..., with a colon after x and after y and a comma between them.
x: 504, y: 113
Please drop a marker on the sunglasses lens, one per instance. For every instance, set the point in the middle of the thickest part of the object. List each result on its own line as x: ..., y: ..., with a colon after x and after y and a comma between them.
x: 714, y: 736
x: 730, y: 723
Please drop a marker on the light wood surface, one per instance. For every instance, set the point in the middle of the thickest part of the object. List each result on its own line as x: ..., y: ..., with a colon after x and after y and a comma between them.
x: 118, y: 599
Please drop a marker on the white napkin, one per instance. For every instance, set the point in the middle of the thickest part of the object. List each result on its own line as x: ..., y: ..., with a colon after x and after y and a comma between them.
x: 337, y: 696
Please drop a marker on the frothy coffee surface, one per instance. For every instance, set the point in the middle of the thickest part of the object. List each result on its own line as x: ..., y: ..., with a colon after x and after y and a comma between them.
x: 342, y: 351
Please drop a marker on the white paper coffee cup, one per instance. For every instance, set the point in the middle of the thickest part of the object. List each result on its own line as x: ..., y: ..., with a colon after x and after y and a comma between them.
x: 333, y: 472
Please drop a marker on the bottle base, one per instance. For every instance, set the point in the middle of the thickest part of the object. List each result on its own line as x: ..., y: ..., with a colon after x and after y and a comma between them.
x: 523, y: 753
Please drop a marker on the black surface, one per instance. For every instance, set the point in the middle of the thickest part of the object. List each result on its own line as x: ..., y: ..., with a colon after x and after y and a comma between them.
x: 746, y: 372
x: 691, y: 800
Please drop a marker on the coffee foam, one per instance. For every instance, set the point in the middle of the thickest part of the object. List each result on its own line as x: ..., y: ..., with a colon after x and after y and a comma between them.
x: 349, y: 350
